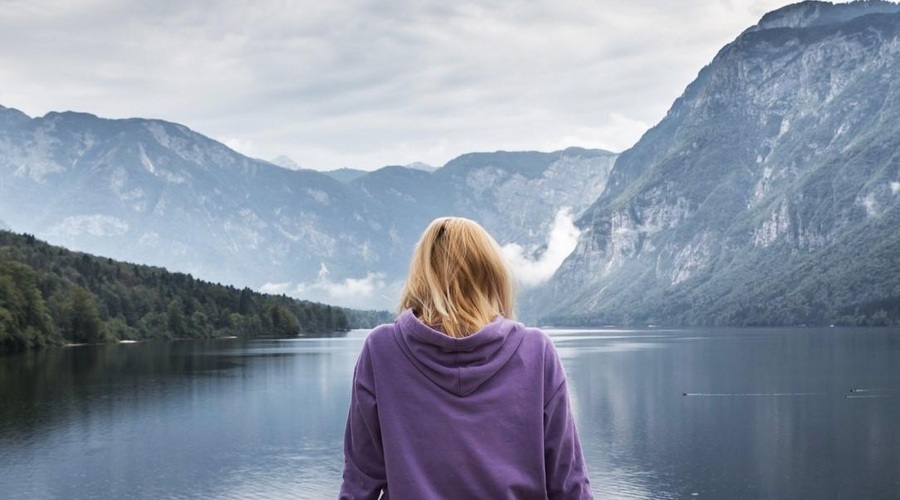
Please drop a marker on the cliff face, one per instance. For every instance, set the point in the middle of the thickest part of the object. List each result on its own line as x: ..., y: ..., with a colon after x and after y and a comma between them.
x: 770, y: 193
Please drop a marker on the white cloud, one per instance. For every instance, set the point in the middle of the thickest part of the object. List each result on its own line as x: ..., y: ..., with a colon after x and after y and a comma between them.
x: 619, y: 133
x: 364, y: 84
x: 346, y: 289
x: 370, y: 292
x: 276, y: 288
x: 245, y: 147
x: 532, y: 270
x: 895, y: 187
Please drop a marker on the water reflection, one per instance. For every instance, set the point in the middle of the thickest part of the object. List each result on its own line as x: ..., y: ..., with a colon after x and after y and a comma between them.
x: 264, y: 419
x: 175, y: 420
x: 644, y: 439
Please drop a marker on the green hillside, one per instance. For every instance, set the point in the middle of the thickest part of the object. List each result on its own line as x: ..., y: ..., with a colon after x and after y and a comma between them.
x: 53, y: 296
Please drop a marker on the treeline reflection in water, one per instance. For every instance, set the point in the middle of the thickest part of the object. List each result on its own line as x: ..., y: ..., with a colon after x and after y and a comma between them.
x: 662, y: 414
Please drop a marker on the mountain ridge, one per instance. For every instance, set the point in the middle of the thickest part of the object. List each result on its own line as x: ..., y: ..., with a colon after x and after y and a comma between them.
x: 783, y: 147
x: 160, y: 193
x: 816, y: 13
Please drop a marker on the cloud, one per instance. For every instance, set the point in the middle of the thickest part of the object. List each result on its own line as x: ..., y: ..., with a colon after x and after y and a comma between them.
x: 373, y: 291
x: 895, y: 187
x: 243, y: 146
x: 619, y: 133
x: 348, y: 288
x: 531, y: 269
x: 276, y: 288
x: 532, y: 266
x: 367, y: 84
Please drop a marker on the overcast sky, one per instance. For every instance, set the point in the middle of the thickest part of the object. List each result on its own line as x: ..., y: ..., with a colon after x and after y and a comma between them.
x: 369, y: 83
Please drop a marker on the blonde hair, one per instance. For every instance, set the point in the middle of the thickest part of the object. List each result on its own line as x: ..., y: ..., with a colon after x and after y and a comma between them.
x: 458, y: 279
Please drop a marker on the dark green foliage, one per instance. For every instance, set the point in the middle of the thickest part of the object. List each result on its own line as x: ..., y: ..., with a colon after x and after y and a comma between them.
x: 80, y: 320
x: 50, y: 296
x: 24, y: 319
x: 356, y: 319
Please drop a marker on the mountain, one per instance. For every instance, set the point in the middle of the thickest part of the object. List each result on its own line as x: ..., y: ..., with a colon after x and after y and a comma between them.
x: 422, y: 166
x: 515, y: 195
x: 345, y: 174
x: 769, y: 193
x: 155, y: 192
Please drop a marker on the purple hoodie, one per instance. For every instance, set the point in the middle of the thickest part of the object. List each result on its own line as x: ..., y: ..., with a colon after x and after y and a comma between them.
x: 481, y: 417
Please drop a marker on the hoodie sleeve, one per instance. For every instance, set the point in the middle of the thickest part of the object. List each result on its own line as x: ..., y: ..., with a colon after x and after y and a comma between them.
x: 567, y: 476
x: 364, y: 472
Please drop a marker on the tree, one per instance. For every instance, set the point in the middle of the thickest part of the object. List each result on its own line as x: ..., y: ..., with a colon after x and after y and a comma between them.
x: 50, y: 294
x: 83, y: 319
x: 284, y: 323
x: 24, y: 319
x: 176, y: 320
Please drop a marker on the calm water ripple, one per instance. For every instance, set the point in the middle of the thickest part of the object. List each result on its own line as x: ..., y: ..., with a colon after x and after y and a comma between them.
x: 728, y: 413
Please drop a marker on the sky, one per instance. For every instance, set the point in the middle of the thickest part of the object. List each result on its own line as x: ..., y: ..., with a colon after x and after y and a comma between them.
x: 369, y: 83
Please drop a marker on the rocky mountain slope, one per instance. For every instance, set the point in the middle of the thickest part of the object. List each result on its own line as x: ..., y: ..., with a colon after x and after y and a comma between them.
x: 769, y: 194
x: 154, y: 192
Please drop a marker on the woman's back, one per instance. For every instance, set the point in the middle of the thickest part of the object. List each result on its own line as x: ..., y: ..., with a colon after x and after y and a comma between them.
x: 483, y: 416
x: 463, y: 415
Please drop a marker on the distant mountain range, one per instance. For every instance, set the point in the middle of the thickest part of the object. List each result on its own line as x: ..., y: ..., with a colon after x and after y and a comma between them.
x: 351, y: 174
x: 769, y: 194
x: 150, y: 191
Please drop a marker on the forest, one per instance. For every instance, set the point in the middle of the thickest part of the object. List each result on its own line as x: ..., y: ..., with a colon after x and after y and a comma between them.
x: 52, y: 296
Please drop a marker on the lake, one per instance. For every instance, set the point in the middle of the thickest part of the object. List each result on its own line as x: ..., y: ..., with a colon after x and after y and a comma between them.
x: 718, y: 413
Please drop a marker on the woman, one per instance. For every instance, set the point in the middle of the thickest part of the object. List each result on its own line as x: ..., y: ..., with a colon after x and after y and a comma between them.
x: 455, y: 400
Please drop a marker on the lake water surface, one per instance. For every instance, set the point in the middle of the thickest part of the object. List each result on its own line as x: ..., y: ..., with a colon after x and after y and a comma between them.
x: 767, y: 413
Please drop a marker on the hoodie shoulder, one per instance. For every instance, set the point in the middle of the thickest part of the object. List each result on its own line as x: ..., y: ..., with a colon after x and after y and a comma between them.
x: 538, y: 344
x: 374, y: 347
x: 381, y: 337
x: 536, y: 339
x: 554, y: 373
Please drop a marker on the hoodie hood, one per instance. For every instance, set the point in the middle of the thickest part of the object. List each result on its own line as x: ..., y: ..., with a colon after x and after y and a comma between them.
x: 458, y: 366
